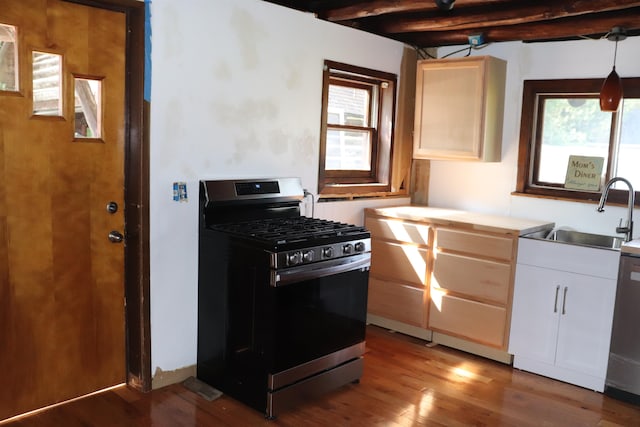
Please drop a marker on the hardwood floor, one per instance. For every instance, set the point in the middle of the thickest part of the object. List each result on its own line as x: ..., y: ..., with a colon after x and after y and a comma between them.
x: 405, y: 383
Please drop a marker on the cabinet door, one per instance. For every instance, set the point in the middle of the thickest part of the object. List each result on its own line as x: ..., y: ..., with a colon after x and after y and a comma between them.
x: 459, y: 108
x: 586, y: 316
x: 443, y: 88
x: 535, y: 313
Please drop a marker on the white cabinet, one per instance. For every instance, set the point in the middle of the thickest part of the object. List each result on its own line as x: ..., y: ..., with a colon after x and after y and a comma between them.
x: 459, y: 108
x: 563, y: 310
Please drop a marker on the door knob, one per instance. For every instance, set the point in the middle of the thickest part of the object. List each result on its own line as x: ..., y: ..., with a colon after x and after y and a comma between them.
x: 115, y: 237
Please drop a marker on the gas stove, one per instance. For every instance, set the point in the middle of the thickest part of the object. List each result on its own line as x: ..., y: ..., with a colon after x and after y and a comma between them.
x: 282, y: 298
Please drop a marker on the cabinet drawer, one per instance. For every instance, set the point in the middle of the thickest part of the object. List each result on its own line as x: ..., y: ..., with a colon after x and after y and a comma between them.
x: 394, y: 229
x: 402, y: 263
x: 487, y: 280
x: 475, y: 321
x: 474, y: 243
x: 396, y: 302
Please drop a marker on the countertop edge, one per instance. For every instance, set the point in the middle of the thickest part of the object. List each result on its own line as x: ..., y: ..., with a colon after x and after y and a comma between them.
x: 462, y: 219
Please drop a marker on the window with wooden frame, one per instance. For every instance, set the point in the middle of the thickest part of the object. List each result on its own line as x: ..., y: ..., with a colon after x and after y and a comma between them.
x: 562, y: 118
x: 356, y: 137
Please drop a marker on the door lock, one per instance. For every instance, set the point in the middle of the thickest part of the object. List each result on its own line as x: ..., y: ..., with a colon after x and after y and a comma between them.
x: 112, y: 207
x: 115, y: 237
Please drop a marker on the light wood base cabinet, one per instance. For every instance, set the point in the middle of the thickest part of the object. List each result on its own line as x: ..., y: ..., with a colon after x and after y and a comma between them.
x: 452, y: 282
x: 398, y: 276
x: 471, y: 285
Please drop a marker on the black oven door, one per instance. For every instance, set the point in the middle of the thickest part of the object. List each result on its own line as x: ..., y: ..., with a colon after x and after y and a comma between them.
x: 314, y: 317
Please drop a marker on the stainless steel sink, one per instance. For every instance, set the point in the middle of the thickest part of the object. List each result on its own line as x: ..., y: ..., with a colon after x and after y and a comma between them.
x: 573, y: 237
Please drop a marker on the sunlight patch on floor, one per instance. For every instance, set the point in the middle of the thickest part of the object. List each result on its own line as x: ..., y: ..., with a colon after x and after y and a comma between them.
x: 418, y: 411
x: 462, y: 373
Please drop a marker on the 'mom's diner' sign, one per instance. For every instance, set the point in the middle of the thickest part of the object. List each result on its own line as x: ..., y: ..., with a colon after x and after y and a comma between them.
x: 584, y: 173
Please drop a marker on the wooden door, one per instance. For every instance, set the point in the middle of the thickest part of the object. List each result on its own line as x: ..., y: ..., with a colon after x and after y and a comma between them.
x: 61, y: 278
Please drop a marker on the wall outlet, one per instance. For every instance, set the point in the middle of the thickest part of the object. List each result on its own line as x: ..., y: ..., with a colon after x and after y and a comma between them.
x: 180, y: 191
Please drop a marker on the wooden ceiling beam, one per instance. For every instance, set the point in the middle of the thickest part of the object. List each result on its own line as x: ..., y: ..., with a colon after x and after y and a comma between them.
x: 504, y: 15
x: 553, y: 30
x: 419, y: 23
x: 367, y: 9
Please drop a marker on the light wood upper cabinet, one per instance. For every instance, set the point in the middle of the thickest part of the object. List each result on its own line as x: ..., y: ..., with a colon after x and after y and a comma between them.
x: 459, y: 109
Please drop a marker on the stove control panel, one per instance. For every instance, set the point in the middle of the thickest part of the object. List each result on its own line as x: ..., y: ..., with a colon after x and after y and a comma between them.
x: 319, y: 253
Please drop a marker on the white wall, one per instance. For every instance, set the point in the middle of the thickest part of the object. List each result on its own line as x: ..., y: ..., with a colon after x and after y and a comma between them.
x: 236, y: 93
x: 487, y: 187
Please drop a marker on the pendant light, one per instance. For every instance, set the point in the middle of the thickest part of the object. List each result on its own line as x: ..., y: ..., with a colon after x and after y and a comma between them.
x: 445, y: 4
x: 611, y: 92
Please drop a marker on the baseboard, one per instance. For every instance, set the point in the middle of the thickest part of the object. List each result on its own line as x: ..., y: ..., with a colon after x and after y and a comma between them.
x: 403, y: 328
x: 474, y: 348
x: 164, y: 378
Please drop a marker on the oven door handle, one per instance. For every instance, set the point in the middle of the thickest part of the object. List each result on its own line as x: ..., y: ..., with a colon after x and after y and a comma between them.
x: 320, y: 269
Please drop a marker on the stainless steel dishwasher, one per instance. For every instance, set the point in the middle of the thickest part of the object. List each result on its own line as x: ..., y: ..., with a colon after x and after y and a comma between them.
x: 623, y: 372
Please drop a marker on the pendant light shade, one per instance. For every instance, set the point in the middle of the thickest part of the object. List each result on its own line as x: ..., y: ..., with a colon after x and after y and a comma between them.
x: 611, y: 92
x: 445, y: 4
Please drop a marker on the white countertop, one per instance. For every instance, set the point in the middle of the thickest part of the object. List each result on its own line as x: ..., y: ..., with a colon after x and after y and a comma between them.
x: 471, y: 220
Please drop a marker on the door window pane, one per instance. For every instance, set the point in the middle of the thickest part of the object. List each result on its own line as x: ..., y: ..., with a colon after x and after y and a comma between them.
x: 47, y: 84
x: 8, y: 58
x: 88, y: 111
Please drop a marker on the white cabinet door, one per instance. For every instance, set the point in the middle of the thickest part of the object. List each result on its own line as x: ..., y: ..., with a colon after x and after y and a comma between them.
x: 535, y: 313
x: 585, y: 323
x: 561, y: 324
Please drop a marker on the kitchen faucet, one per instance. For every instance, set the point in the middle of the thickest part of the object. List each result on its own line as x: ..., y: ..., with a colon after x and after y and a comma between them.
x: 628, y: 230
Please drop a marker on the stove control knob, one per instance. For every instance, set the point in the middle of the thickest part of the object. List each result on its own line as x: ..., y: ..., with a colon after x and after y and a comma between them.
x: 359, y: 247
x: 307, y: 256
x: 327, y: 252
x: 347, y: 249
x: 293, y: 258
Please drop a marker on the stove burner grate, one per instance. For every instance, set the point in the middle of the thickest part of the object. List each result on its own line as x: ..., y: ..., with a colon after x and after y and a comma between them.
x: 289, y: 230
